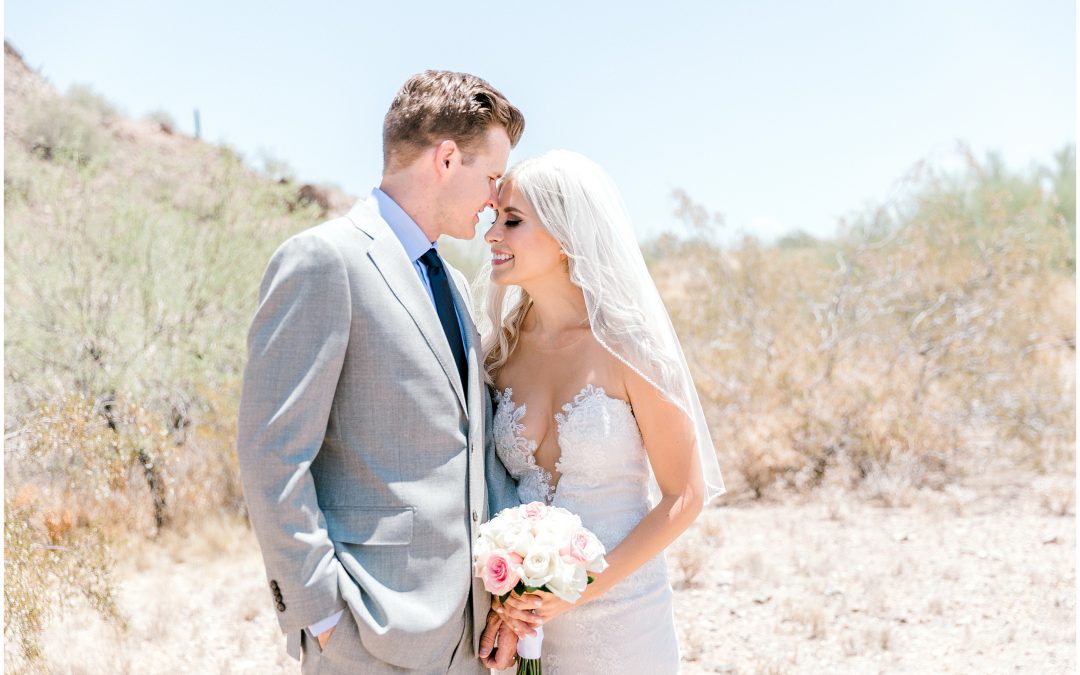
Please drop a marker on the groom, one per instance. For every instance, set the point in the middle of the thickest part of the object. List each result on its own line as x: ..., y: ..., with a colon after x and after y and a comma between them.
x: 363, y: 443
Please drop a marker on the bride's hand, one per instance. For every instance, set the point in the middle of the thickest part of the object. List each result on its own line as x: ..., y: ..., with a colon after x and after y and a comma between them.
x: 522, y: 622
x: 539, y: 604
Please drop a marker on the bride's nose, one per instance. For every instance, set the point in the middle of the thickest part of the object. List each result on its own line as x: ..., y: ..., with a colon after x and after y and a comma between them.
x: 494, y: 233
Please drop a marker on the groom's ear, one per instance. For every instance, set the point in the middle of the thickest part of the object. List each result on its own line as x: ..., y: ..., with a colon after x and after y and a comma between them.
x: 446, y: 153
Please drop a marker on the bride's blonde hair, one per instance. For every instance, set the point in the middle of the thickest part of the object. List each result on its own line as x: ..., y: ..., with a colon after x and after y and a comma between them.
x: 499, y: 344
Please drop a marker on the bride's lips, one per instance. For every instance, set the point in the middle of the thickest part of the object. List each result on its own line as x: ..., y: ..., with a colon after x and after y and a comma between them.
x: 500, y: 258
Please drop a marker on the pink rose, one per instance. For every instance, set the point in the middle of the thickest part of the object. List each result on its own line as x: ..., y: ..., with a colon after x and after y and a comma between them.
x: 533, y: 512
x: 501, y: 572
x: 583, y: 546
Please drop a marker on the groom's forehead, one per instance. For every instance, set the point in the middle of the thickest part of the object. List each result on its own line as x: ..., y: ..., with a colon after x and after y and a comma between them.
x: 498, y: 144
x: 506, y: 191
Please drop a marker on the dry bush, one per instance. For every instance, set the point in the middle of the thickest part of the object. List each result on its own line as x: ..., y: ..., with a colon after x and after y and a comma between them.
x: 693, y: 644
x: 86, y: 474
x: 52, y: 559
x: 691, y: 559
x: 774, y: 665
x: 809, y: 613
x: 123, y: 467
x: 1060, y: 500
x: 934, y: 337
x: 104, y: 462
x: 711, y: 530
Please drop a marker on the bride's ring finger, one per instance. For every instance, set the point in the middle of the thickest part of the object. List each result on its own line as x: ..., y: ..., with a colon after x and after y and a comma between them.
x: 519, y: 614
x: 519, y: 627
x: 525, y: 602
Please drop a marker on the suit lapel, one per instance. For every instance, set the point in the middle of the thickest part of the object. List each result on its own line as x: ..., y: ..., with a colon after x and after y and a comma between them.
x: 397, y: 270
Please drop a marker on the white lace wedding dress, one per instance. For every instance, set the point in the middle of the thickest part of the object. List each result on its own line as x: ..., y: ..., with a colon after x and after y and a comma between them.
x: 604, y: 477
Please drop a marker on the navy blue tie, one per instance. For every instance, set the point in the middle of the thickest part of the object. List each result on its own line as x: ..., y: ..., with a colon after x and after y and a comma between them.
x: 444, y: 305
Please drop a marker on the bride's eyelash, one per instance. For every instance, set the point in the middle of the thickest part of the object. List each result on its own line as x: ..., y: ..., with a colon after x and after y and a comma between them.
x: 512, y: 223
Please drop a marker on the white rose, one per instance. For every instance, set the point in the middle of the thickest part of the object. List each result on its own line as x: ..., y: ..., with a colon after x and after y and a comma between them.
x: 538, y: 566
x: 508, y: 515
x: 517, y: 537
x: 568, y: 580
x: 561, y: 519
x: 549, y: 540
x: 482, y: 547
x: 559, y: 532
x: 492, y: 529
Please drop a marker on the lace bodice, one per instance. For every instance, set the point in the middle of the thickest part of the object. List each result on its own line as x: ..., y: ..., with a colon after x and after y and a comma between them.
x: 603, y: 467
x: 517, y: 452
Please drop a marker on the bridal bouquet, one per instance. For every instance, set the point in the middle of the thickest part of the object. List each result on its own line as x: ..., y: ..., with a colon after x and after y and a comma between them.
x: 535, y: 547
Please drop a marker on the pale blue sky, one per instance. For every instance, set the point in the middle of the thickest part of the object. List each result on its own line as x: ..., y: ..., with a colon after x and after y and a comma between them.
x: 781, y: 115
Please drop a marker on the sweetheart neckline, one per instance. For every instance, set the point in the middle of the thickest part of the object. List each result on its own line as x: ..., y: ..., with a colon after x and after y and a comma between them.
x: 561, y: 418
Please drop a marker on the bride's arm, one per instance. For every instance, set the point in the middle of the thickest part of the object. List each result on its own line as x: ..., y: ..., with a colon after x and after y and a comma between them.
x: 670, y: 443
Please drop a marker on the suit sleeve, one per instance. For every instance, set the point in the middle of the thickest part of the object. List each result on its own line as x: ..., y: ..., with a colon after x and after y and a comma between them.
x: 296, y: 348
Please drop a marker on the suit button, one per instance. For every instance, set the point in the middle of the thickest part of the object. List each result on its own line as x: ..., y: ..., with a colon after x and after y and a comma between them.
x: 280, y: 606
x: 475, y: 517
x: 273, y: 585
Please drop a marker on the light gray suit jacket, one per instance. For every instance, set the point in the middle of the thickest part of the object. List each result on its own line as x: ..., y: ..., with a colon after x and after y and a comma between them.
x: 363, y: 458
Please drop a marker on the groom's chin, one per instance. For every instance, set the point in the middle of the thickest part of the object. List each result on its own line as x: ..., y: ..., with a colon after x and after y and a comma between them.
x: 467, y: 232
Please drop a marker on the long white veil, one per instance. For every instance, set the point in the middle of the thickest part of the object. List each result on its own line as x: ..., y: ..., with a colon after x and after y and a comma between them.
x: 581, y: 207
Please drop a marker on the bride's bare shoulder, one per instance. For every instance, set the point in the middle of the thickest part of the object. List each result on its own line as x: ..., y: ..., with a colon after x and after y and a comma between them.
x: 606, y: 368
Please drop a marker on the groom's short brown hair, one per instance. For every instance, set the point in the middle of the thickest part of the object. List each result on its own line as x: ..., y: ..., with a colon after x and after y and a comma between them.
x: 438, y: 105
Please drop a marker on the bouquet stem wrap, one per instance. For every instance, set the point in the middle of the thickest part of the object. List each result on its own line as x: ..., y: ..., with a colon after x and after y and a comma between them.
x: 528, y: 649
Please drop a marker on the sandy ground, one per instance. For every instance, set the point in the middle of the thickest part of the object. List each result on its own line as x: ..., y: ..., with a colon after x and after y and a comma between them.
x: 977, y: 579
x: 956, y: 583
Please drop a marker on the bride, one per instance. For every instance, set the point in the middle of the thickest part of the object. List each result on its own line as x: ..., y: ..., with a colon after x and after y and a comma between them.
x: 595, y: 410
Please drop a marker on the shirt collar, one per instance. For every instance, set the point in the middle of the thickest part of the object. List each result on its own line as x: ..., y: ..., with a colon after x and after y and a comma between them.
x: 410, y: 235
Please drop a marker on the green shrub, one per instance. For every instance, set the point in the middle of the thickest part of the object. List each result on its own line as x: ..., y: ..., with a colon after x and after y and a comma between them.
x: 57, y: 130
x: 164, y: 120
x: 84, y: 96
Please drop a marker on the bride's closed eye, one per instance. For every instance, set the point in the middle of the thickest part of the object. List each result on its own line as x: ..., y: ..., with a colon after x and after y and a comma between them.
x: 512, y: 223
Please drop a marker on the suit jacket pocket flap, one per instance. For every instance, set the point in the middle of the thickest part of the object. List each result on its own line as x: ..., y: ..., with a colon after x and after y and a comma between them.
x: 370, y: 526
